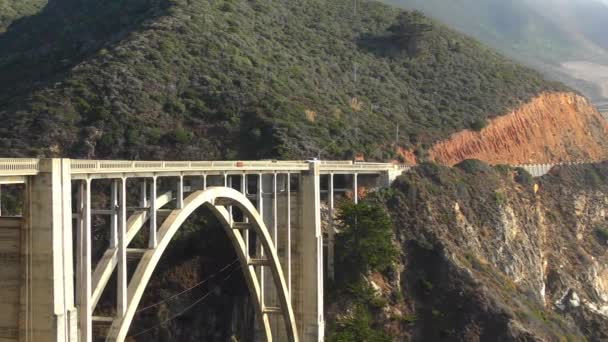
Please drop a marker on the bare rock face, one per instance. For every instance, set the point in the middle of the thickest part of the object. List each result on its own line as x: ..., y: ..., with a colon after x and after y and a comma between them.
x: 486, y: 258
x: 550, y: 128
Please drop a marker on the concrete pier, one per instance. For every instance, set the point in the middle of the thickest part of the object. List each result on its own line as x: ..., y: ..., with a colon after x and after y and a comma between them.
x: 47, y: 301
x: 10, y: 277
x: 313, y: 322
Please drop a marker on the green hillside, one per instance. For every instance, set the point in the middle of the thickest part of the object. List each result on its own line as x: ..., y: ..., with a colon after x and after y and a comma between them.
x: 512, y: 26
x: 243, y: 79
x: 541, y: 33
x: 11, y: 10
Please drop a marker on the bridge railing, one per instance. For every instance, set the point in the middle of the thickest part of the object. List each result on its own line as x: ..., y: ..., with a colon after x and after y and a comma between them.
x: 363, y: 166
x: 114, y: 166
x: 30, y: 166
x: 21, y: 167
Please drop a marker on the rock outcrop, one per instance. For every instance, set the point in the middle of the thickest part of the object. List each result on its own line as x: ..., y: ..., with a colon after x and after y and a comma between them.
x: 553, y: 127
x: 485, y: 258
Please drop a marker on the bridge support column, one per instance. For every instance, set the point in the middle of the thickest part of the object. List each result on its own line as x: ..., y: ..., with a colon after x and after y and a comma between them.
x: 47, y: 296
x: 388, y: 177
x: 313, y: 322
x: 330, y: 231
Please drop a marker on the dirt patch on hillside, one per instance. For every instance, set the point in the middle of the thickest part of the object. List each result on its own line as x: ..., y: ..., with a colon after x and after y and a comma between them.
x: 552, y: 127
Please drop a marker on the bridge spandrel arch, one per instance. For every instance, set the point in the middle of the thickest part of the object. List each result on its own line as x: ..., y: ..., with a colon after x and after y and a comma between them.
x: 213, y: 198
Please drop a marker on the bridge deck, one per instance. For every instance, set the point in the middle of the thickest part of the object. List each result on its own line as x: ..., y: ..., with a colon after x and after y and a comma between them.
x: 14, y: 170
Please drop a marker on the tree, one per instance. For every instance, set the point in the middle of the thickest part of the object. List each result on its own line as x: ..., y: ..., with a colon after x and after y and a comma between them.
x: 410, y: 31
x: 364, y: 242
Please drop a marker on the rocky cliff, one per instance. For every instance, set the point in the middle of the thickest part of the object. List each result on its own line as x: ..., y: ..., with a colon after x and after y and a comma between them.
x: 550, y: 128
x: 485, y: 258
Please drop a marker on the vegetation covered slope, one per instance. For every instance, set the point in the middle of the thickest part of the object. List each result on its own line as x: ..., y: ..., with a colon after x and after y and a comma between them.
x: 541, y: 33
x: 243, y: 79
x: 11, y: 10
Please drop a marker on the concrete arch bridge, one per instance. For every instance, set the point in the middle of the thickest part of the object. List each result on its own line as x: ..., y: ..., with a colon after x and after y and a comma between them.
x: 51, y: 283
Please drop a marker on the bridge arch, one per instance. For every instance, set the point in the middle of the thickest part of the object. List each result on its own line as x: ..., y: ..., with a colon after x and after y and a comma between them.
x: 216, y: 199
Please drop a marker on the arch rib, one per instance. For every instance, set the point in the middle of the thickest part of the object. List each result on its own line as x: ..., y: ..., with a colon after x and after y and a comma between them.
x: 107, y: 264
x: 209, y: 198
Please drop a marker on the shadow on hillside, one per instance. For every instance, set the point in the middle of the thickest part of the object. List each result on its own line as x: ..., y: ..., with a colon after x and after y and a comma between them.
x: 386, y: 45
x: 38, y: 50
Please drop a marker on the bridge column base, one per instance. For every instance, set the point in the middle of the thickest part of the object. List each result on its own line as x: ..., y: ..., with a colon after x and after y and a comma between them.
x: 313, y: 322
x: 47, y: 292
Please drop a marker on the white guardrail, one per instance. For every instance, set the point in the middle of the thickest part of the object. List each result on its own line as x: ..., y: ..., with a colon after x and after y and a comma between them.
x: 18, y: 167
x: 117, y: 166
x: 26, y: 167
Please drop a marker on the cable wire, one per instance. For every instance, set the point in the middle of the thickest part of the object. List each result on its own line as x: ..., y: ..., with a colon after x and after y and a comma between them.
x: 190, y: 289
x: 173, y: 317
x: 181, y: 312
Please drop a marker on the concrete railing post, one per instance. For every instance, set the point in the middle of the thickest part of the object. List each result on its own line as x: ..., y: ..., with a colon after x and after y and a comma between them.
x: 246, y: 233
x: 47, y: 300
x: 312, y: 254
x: 180, y: 192
x: 152, y: 240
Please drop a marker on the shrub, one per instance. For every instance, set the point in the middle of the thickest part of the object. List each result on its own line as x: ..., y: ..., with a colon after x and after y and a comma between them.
x: 356, y: 327
x: 500, y: 197
x: 503, y: 169
x: 602, y: 233
x: 181, y: 136
x: 478, y: 124
x: 409, y: 319
x: 592, y: 178
x: 522, y: 176
x: 473, y: 166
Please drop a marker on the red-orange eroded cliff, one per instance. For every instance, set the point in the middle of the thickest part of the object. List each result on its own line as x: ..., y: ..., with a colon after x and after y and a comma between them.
x: 552, y: 127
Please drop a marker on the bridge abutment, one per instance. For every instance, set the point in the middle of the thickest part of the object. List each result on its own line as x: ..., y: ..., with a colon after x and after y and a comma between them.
x: 47, y: 297
x: 10, y: 277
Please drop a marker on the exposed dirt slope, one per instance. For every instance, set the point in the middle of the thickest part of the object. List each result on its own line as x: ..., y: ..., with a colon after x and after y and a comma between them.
x: 552, y: 127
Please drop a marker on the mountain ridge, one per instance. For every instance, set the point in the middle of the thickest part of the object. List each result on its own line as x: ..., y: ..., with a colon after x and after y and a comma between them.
x: 193, y: 80
x: 543, y: 34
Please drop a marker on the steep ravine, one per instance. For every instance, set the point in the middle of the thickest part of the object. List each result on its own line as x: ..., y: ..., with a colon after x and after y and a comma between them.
x: 550, y: 128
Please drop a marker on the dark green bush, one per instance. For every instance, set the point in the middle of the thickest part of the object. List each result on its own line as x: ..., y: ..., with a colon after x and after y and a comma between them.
x: 602, y: 233
x: 356, y: 327
x: 478, y: 124
x: 503, y: 169
x: 593, y: 178
x: 522, y: 176
x: 181, y: 136
x: 474, y: 166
